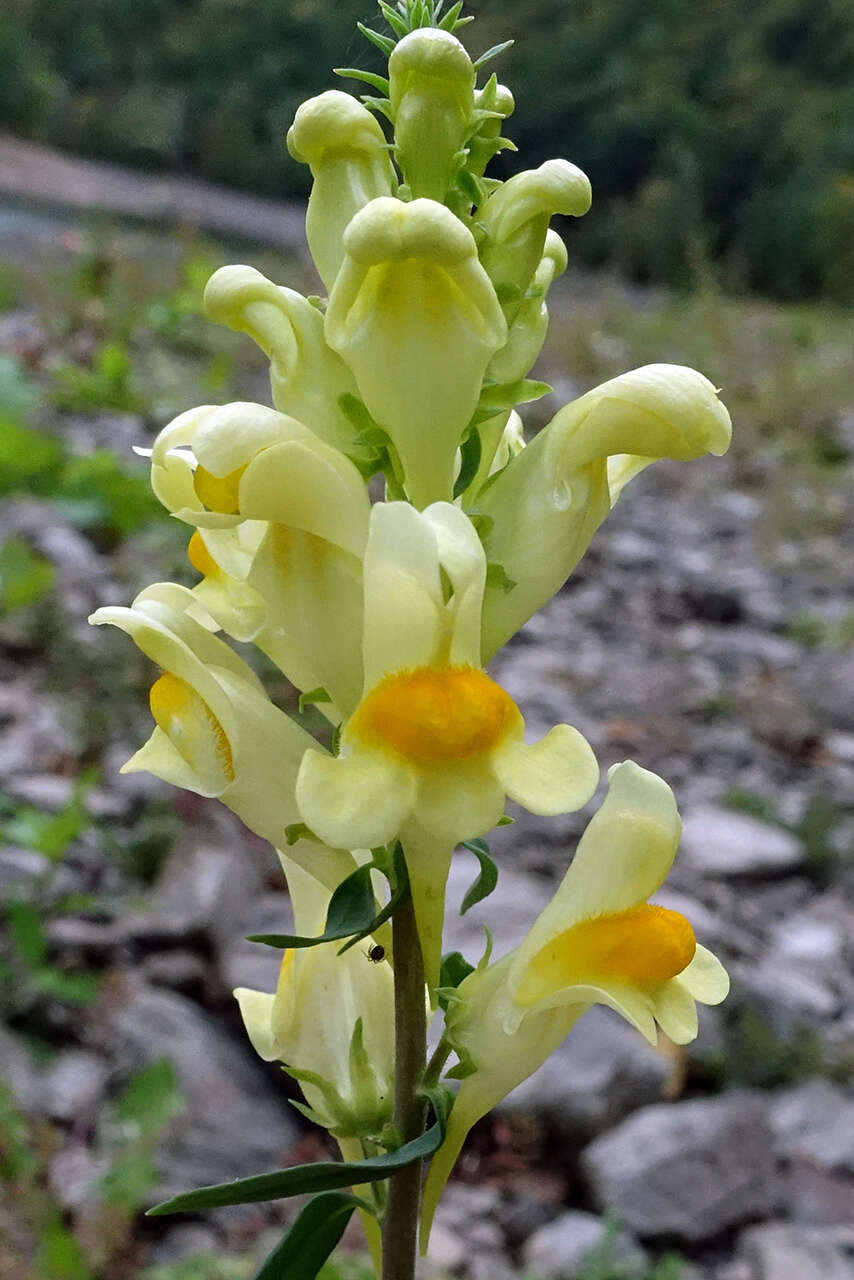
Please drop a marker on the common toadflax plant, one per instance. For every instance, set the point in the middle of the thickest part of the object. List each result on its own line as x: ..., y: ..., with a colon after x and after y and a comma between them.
x: 408, y: 372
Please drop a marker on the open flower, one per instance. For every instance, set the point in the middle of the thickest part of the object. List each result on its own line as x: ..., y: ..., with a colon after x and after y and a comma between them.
x: 599, y: 941
x: 216, y: 731
x: 435, y: 746
x: 414, y: 315
x: 347, y: 151
x: 546, y: 505
x: 330, y: 1021
x: 301, y: 509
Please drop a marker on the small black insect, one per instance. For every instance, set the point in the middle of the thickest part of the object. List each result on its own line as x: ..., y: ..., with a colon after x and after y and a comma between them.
x: 376, y: 953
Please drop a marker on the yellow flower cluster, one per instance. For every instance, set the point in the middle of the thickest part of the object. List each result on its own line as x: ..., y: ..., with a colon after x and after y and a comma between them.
x: 385, y: 613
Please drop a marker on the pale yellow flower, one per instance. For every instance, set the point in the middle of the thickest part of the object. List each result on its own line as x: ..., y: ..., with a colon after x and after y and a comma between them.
x: 310, y: 1023
x: 435, y: 746
x: 599, y: 941
x: 543, y: 509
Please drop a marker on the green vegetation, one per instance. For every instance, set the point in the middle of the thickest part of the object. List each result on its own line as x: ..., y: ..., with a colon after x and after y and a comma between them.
x: 712, y: 132
x: 124, y: 1151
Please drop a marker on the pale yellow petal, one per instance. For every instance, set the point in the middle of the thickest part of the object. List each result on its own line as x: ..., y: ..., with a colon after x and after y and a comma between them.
x: 706, y: 978
x: 675, y: 1011
x: 459, y: 800
x: 403, y: 592
x: 558, y: 774
x: 256, y: 1010
x: 356, y: 801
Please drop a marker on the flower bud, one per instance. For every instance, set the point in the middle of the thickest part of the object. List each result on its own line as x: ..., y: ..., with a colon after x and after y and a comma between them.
x: 528, y: 331
x: 431, y: 88
x: 516, y: 219
x: 414, y: 315
x: 346, y: 148
x: 306, y: 378
x: 495, y: 103
x: 547, y: 504
x: 330, y: 1022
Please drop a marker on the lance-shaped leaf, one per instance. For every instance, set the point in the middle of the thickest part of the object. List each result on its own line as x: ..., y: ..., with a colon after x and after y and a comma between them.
x: 323, y: 1175
x: 431, y: 91
x: 346, y: 149
x: 311, y: 1239
x: 416, y: 318
x: 547, y: 504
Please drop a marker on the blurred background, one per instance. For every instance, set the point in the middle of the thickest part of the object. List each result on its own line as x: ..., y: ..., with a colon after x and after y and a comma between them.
x: 708, y: 633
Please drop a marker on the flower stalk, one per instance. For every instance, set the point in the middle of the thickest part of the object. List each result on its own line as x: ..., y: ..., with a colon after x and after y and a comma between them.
x: 400, y: 1227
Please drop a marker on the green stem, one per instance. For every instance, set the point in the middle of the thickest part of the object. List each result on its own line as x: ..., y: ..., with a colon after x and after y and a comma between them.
x: 410, y: 1028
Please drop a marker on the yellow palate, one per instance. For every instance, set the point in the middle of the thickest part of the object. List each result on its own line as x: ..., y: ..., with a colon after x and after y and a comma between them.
x: 219, y: 493
x: 435, y: 714
x: 193, y: 729
x: 200, y: 558
x: 641, y: 947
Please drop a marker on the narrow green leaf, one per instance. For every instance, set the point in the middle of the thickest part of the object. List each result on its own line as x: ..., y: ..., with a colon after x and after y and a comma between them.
x: 383, y: 43
x: 470, y: 454
x: 398, y: 895
x: 455, y: 968
x: 353, y: 73
x: 494, y: 52
x: 393, y: 19
x: 352, y: 908
x: 323, y: 1175
x: 487, y: 877
x: 307, y: 1244
x: 314, y: 695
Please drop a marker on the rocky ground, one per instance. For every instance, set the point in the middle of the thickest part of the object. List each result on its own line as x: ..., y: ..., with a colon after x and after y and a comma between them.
x: 707, y: 634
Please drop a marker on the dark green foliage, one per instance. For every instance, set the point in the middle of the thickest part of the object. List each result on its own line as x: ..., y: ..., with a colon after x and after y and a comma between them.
x: 710, y: 131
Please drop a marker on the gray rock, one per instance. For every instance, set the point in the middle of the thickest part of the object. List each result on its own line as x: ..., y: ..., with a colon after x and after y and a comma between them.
x: 718, y: 842
x: 778, y: 1251
x: 74, y: 1175
x: 826, y: 681
x: 491, y: 1266
x: 21, y: 867
x: 74, y: 1085
x: 19, y: 1072
x: 52, y: 792
x: 784, y: 996
x: 815, y: 1122
x: 688, y: 1169
x: 181, y: 971
x: 250, y: 964
x: 601, y: 1072
x: 205, y: 887
x: 813, y: 1126
x: 34, y: 730
x: 234, y: 1121
x: 561, y: 1250
x: 185, y: 1241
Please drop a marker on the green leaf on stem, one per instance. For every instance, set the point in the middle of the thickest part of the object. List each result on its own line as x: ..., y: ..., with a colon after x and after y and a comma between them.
x: 307, y: 1244
x: 323, y: 1175
x: 487, y: 876
x: 470, y: 454
x: 352, y: 911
